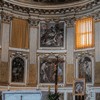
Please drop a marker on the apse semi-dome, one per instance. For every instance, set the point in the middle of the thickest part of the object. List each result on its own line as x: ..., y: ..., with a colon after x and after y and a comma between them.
x: 49, y: 1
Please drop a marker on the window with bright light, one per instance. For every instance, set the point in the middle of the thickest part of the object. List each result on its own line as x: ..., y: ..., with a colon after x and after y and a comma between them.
x: 84, y: 33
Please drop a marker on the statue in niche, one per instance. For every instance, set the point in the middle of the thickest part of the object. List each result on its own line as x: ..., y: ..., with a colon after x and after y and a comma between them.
x: 85, y: 69
x: 17, y: 70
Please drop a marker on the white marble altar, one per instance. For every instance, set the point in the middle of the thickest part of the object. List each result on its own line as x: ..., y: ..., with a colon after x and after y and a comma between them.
x: 21, y: 95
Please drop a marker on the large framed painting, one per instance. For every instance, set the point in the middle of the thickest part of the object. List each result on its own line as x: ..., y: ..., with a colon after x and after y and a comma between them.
x: 52, y: 35
x: 79, y: 86
x: 85, y: 68
x: 46, y: 68
x: 18, y: 68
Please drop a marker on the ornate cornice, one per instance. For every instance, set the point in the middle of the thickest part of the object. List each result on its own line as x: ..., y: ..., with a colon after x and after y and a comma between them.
x: 50, y: 11
x: 69, y: 13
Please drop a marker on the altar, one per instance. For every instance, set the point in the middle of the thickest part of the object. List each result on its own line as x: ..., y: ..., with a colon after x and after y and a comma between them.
x: 24, y: 95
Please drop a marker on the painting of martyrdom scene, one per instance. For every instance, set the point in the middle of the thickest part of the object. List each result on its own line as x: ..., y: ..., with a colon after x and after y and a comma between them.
x: 85, y: 69
x: 17, y: 73
x: 97, y: 96
x: 79, y: 87
x: 47, y: 71
x: 52, y: 34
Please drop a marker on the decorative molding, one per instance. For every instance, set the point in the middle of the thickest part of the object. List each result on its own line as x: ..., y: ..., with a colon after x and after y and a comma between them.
x: 19, y: 54
x: 41, y: 54
x: 80, y: 54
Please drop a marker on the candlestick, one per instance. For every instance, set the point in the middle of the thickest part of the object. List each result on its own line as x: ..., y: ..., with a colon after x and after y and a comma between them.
x: 49, y: 88
x: 8, y: 87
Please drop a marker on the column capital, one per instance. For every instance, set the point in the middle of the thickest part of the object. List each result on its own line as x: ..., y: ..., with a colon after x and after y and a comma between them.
x: 33, y: 22
x: 70, y: 21
x: 6, y: 18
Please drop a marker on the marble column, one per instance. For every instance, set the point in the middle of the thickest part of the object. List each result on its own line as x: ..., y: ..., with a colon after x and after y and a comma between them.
x: 33, y: 40
x: 97, y: 53
x: 32, y: 80
x: 97, y: 41
x: 70, y: 55
x: 6, y: 20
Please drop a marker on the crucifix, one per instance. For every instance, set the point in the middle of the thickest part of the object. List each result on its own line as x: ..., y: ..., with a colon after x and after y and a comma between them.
x: 57, y: 60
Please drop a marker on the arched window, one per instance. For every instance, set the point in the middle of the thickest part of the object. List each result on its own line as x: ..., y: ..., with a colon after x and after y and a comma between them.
x: 84, y: 34
x: 17, y: 72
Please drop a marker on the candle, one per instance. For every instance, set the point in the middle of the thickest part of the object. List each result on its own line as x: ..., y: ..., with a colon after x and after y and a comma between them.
x: 49, y: 88
x: 8, y: 87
